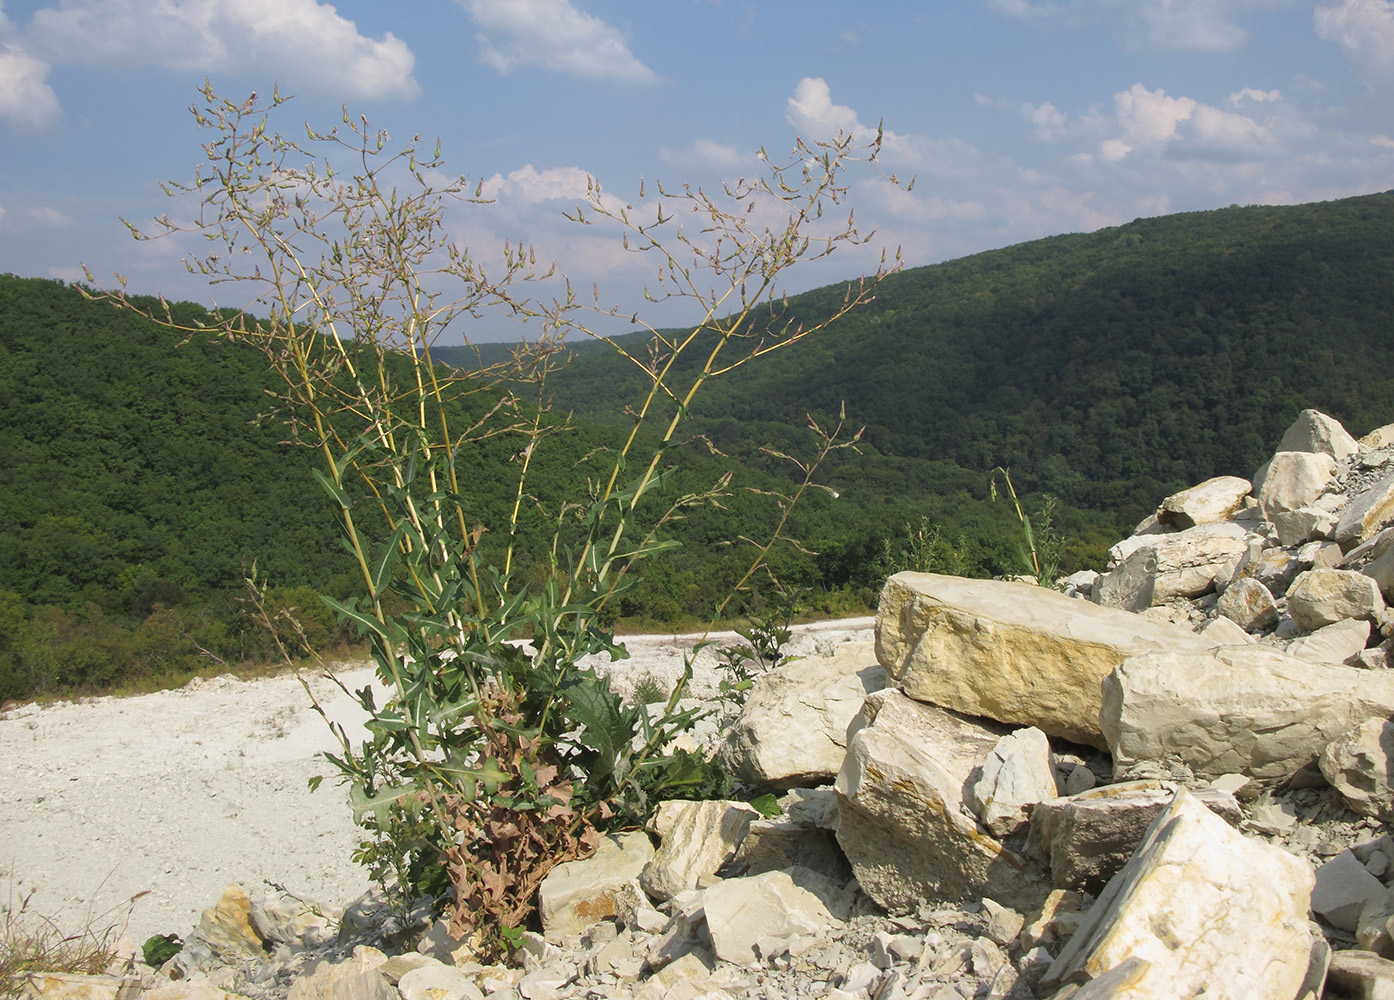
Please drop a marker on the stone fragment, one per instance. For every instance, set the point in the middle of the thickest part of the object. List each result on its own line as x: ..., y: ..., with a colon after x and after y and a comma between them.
x: 1276, y: 568
x: 1248, y: 710
x: 438, y: 981
x: 1213, y: 500
x: 1003, y: 923
x: 356, y: 978
x: 224, y: 936
x: 77, y: 986
x: 792, y: 729
x: 1315, y: 431
x: 1291, y: 479
x: 1358, y: 764
x: 1343, y: 886
x: 1088, y: 838
x: 1335, y: 643
x: 1211, y: 913
x: 1380, y: 437
x: 1381, y: 570
x: 1183, y: 564
x: 1322, y: 597
x: 1249, y: 604
x: 697, y: 837
x: 1056, y: 920
x: 1372, y: 928
x: 1295, y: 527
x: 285, y: 919
x: 1012, y: 652
x: 1223, y: 632
x: 1361, y: 975
x: 756, y: 917
x: 577, y: 894
x: 1014, y: 776
x: 904, y: 827
x: 1366, y: 513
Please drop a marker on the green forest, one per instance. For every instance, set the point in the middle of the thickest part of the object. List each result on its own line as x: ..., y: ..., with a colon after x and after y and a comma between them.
x: 145, y: 478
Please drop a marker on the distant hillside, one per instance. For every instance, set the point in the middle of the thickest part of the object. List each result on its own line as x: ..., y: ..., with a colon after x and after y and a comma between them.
x: 1106, y: 368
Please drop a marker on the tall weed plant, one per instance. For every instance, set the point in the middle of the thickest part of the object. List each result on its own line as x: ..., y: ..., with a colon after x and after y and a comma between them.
x: 497, y: 754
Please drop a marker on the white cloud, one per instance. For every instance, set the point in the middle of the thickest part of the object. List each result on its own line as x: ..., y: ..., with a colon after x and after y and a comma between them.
x: 1151, y: 121
x: 1364, y: 29
x: 1203, y: 25
x: 557, y: 36
x: 1048, y: 119
x: 26, y: 99
x: 705, y: 153
x: 812, y: 112
x: 303, y: 43
x: 529, y: 185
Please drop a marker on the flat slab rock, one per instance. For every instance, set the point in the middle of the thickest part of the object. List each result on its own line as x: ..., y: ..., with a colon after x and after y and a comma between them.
x: 1012, y: 652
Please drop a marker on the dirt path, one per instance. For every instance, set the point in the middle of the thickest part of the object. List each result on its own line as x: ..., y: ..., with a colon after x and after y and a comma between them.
x: 178, y: 793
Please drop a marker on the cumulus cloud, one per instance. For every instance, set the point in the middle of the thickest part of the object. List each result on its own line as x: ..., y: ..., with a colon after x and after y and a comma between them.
x: 811, y: 110
x: 555, y: 35
x: 1151, y: 120
x: 529, y: 186
x: 1203, y: 25
x: 26, y: 99
x: 1364, y: 29
x: 303, y: 43
x: 30, y: 219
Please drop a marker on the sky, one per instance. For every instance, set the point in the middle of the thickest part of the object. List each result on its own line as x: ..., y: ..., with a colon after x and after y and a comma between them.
x: 1018, y: 119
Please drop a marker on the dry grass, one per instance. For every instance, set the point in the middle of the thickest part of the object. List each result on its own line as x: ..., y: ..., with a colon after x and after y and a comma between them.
x: 32, y: 942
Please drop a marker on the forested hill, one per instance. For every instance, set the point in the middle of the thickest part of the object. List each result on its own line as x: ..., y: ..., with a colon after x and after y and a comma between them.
x: 1106, y: 368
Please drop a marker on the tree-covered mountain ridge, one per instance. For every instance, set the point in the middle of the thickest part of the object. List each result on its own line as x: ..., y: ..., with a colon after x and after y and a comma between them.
x: 1105, y: 368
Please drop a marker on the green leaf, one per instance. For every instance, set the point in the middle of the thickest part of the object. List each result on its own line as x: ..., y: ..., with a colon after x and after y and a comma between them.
x: 332, y: 488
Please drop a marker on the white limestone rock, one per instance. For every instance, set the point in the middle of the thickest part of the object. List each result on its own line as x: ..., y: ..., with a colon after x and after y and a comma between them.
x: 904, y: 824
x: 1358, y: 764
x: 757, y: 917
x: 792, y: 729
x: 1208, y: 910
x: 1014, y: 776
x: 1183, y: 564
x: 577, y: 894
x: 1012, y: 652
x: 1088, y: 838
x: 1248, y: 710
x: 1336, y: 643
x: 1305, y: 524
x: 1343, y: 886
x: 1316, y: 432
x: 1366, y: 513
x: 1292, y: 479
x: 696, y: 839
x: 1214, y: 500
x: 1321, y: 597
x: 1249, y: 604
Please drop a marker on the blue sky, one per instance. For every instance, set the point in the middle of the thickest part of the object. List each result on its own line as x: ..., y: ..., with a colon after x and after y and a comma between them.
x: 1018, y: 118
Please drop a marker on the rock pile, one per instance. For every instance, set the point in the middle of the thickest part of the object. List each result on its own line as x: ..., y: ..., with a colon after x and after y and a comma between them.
x: 1168, y: 781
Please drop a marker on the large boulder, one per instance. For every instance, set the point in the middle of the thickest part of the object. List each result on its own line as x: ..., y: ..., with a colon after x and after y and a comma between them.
x: 1012, y: 778
x: 903, y: 823
x: 1182, y: 564
x: 1315, y: 431
x: 697, y: 838
x: 1249, y: 710
x: 1359, y: 765
x: 1088, y: 838
x: 1213, y: 500
x: 1012, y: 652
x: 577, y: 894
x: 1321, y: 597
x: 1367, y: 513
x: 792, y: 729
x: 1203, y: 910
x: 1292, y: 479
